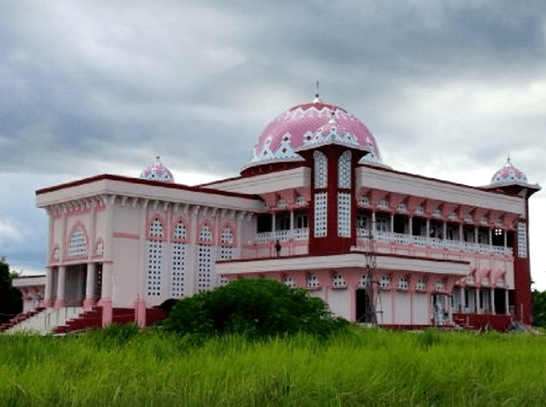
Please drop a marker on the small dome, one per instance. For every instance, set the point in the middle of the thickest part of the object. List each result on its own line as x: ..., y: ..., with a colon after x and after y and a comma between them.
x: 508, y: 175
x: 157, y: 172
x: 302, y: 123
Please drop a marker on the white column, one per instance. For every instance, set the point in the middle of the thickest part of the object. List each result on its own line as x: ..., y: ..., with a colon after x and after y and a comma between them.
x: 61, y: 279
x: 410, y: 225
x: 90, y: 286
x: 504, y: 234
x: 444, y: 232
x: 428, y: 228
x: 392, y: 223
x: 490, y: 237
x: 374, y: 226
x: 461, y: 233
x: 475, y: 234
x: 291, y: 219
x: 48, y: 294
x: 506, y: 299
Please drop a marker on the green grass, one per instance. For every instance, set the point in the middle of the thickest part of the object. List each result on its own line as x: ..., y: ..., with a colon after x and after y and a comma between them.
x: 125, y: 367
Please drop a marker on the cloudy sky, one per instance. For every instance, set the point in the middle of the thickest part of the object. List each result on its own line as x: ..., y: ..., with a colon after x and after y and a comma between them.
x: 448, y: 87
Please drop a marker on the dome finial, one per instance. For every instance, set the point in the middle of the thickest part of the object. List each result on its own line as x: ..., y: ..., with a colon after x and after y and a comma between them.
x: 316, y: 99
x: 157, y: 158
x: 508, y: 160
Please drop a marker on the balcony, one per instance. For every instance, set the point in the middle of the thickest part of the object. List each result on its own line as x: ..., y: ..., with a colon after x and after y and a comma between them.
x: 282, y: 235
x: 423, y: 241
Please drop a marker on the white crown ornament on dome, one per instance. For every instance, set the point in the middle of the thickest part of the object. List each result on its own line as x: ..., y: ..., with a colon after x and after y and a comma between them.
x: 508, y: 175
x: 157, y: 172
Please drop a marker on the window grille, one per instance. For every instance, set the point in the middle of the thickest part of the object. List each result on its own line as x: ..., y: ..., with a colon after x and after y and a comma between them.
x: 180, y: 231
x: 344, y: 214
x: 155, y: 265
x: 321, y: 170
x: 178, y: 269
x: 364, y: 280
x: 344, y: 170
x: 156, y: 228
x: 522, y: 240
x: 204, y: 268
x: 420, y: 285
x: 205, y: 235
x: 384, y: 282
x: 403, y: 282
x: 78, y: 244
x: 312, y: 281
x: 321, y: 214
x: 338, y: 281
x: 289, y: 282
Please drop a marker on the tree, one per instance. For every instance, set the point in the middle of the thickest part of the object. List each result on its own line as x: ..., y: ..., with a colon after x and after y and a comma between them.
x: 11, y: 303
x: 257, y: 308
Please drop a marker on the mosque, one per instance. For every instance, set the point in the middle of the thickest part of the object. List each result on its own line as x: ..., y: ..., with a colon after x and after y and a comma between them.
x: 315, y: 207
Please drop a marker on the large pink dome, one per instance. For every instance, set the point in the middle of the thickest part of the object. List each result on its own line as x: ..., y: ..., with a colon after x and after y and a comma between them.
x: 300, y: 123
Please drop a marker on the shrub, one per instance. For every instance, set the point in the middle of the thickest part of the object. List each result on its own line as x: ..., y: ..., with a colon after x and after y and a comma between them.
x: 256, y: 308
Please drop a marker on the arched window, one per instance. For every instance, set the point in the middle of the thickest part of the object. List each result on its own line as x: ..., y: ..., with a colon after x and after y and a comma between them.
x: 180, y: 231
x: 344, y: 170
x: 205, y: 235
x: 178, y: 274
x: 156, y: 228
x: 155, y: 259
x: 321, y: 170
x: 77, y: 247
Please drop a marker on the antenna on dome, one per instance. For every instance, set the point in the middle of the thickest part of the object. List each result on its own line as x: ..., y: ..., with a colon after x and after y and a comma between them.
x: 317, y: 100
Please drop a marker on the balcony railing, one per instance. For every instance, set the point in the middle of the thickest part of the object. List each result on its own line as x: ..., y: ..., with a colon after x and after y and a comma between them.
x: 423, y: 241
x: 281, y: 235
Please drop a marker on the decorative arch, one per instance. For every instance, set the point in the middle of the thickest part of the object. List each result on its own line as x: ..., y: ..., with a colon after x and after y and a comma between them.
x: 205, y: 233
x: 155, y: 227
x: 77, y: 245
x: 180, y: 231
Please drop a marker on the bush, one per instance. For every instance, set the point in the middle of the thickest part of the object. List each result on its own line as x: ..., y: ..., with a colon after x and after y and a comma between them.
x: 256, y: 308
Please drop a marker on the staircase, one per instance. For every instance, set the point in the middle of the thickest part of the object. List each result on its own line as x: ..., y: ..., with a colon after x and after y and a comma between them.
x: 71, y: 319
x: 20, y: 318
x: 85, y: 320
x: 43, y: 322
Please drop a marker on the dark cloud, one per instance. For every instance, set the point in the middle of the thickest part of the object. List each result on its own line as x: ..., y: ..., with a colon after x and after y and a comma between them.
x: 447, y: 87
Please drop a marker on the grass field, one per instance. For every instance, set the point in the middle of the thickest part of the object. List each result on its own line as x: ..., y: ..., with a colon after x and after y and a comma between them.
x: 364, y: 367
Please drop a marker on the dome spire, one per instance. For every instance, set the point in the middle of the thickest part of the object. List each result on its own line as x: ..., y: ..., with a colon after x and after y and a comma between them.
x: 317, y: 99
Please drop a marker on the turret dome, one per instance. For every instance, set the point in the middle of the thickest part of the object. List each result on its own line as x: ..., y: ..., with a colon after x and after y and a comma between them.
x: 508, y: 175
x: 157, y: 172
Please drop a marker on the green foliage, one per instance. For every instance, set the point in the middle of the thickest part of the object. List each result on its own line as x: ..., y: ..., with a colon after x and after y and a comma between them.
x: 539, y: 308
x: 11, y: 303
x: 257, y: 308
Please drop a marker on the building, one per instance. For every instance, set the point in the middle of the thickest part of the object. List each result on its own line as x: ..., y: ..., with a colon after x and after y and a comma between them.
x: 316, y: 208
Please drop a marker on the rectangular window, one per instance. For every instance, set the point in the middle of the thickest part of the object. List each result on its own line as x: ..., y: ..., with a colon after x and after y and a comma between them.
x: 344, y: 214
x: 321, y: 214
